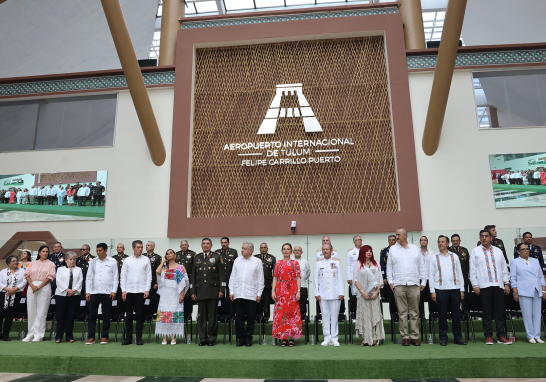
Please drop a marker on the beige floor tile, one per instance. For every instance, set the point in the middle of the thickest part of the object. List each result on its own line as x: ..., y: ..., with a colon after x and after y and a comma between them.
x: 108, y: 378
x: 6, y: 377
x: 502, y: 379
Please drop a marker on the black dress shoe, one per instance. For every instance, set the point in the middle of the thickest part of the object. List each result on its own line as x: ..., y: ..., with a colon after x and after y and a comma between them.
x: 7, y: 339
x: 126, y: 342
x: 139, y: 342
x: 443, y: 343
x: 240, y: 343
x: 203, y: 343
x: 248, y: 343
x: 211, y: 343
x: 459, y: 342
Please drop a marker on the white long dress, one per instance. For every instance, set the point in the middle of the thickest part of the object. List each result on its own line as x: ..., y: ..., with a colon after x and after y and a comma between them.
x: 369, y: 320
x: 170, y: 313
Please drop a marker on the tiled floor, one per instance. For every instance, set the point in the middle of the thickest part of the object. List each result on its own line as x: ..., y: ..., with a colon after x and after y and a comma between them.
x: 20, y: 377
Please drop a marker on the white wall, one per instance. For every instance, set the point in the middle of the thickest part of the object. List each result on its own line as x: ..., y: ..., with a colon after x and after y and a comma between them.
x: 138, y: 191
x: 454, y: 184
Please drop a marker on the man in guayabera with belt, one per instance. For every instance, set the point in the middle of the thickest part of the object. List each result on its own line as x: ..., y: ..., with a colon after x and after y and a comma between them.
x: 207, y: 286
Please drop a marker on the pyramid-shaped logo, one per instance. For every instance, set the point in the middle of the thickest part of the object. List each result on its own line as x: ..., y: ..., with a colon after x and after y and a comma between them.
x: 275, y: 112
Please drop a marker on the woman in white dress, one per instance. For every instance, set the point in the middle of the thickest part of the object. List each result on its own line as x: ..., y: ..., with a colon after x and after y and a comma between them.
x: 367, y: 285
x: 173, y: 284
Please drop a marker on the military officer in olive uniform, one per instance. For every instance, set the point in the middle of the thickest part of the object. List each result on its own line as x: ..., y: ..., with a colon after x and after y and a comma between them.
x: 185, y: 257
x: 82, y: 261
x: 57, y: 257
x: 155, y: 259
x: 120, y: 258
x: 534, y: 251
x: 464, y: 259
x: 496, y: 241
x: 268, y: 262
x: 227, y: 257
x: 386, y: 291
x: 207, y: 286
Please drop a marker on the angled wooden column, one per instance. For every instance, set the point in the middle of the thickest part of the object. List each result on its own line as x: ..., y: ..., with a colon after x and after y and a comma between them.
x: 173, y: 10
x: 443, y: 75
x: 414, y: 31
x: 135, y: 82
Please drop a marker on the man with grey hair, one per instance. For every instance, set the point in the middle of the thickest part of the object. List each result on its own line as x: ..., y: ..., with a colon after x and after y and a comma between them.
x: 329, y: 291
x: 268, y: 263
x: 305, y: 272
x: 185, y: 257
x: 405, y: 271
x: 319, y: 255
x: 155, y: 261
x: 120, y: 257
x: 352, y: 257
x: 246, y: 284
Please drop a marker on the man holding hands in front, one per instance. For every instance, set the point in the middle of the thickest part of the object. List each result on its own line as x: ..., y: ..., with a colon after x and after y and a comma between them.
x: 207, y: 286
x: 405, y: 268
x: 329, y: 291
x: 246, y: 284
x: 489, y: 277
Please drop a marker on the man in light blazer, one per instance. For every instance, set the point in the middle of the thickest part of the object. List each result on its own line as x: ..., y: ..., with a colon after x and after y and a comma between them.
x: 529, y: 290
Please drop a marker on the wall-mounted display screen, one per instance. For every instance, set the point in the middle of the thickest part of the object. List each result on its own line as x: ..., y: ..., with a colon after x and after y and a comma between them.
x: 56, y: 196
x: 519, y: 180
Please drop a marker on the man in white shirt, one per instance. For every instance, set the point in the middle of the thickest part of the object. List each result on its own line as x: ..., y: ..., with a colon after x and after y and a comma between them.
x: 489, y: 277
x: 519, y: 178
x: 305, y: 272
x: 446, y: 283
x: 329, y: 291
x: 51, y: 194
x: 405, y: 271
x: 101, y: 285
x: 536, y: 178
x: 135, y: 280
x: 42, y: 193
x: 319, y: 255
x: 83, y: 193
x: 352, y: 257
x: 32, y: 194
x: 246, y: 285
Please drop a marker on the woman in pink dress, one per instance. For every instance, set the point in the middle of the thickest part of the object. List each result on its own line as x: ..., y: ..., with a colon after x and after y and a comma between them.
x: 286, y: 294
x: 543, y: 177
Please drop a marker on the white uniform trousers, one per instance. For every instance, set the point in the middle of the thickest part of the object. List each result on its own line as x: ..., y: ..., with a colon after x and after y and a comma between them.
x: 37, y: 307
x: 330, y: 315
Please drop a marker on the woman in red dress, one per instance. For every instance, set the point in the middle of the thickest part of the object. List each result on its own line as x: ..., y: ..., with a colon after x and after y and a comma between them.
x: 286, y: 316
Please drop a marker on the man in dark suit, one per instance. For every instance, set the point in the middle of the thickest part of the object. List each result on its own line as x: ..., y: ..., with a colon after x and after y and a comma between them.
x: 464, y: 259
x: 82, y: 261
x: 386, y: 291
x: 534, y: 250
x: 268, y: 262
x: 185, y: 257
x: 207, y: 286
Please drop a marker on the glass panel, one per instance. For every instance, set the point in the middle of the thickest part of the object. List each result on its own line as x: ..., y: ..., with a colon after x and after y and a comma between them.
x: 206, y: 6
x: 515, y: 98
x: 18, y: 125
x: 232, y: 5
x: 299, y: 2
x: 269, y: 3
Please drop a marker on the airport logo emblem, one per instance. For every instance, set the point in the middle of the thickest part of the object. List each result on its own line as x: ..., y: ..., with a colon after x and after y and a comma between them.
x: 275, y: 112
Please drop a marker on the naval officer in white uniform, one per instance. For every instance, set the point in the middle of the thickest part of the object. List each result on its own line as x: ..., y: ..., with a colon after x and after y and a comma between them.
x: 329, y: 291
x: 319, y: 255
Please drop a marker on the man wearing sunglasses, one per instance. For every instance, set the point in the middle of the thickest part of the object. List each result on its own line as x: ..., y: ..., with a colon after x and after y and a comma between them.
x: 82, y: 262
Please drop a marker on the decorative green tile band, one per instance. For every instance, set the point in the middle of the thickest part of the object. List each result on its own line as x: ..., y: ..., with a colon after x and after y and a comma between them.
x: 82, y: 84
x: 298, y: 17
x: 479, y: 59
x: 167, y: 77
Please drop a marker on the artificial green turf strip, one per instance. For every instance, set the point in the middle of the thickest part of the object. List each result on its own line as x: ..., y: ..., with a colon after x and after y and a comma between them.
x: 517, y: 187
x: 390, y: 360
x: 95, y: 212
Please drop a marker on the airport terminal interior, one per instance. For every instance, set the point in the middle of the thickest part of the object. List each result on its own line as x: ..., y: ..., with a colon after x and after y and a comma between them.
x: 302, y: 133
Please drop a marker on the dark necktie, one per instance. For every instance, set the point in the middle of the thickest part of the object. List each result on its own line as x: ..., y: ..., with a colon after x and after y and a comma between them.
x: 70, y: 281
